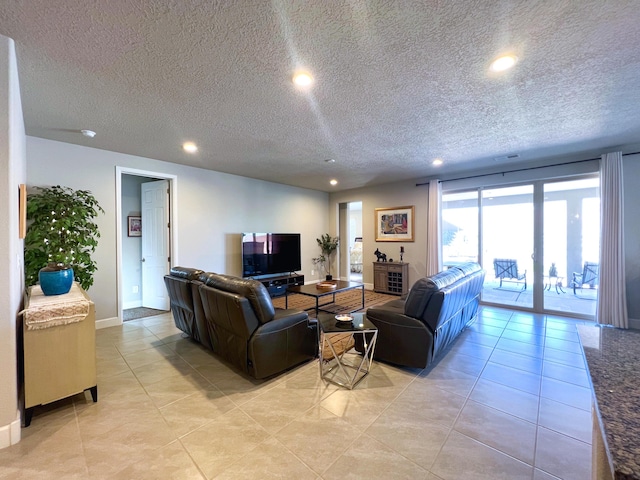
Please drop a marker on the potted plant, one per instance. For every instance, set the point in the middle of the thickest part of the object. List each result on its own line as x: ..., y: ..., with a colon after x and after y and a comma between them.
x: 328, y: 245
x: 61, y: 236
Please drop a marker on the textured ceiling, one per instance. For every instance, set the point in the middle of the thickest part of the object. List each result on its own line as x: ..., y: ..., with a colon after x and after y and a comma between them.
x: 398, y: 83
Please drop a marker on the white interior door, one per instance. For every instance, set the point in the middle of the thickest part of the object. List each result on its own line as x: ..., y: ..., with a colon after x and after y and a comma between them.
x: 155, y: 243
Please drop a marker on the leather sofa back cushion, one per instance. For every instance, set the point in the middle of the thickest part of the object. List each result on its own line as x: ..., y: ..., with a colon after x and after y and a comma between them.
x: 421, y: 291
x: 253, y: 290
x: 186, y: 273
x: 179, y: 291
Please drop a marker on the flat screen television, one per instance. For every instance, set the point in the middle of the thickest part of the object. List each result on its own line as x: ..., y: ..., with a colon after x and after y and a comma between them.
x: 270, y: 253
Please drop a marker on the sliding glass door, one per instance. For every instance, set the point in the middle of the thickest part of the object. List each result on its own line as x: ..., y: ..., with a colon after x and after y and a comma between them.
x: 571, y: 241
x: 507, y: 245
x: 537, y: 242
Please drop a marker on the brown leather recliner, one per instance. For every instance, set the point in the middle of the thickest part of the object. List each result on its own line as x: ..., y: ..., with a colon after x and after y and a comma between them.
x: 414, y: 331
x: 249, y: 332
x: 182, y: 286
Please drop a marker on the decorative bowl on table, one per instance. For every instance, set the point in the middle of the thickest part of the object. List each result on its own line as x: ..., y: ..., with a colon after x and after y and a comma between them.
x: 344, y: 318
x: 326, y: 285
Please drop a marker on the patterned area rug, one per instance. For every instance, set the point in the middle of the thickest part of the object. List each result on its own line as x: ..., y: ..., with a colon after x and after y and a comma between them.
x: 140, y: 312
x: 345, y: 301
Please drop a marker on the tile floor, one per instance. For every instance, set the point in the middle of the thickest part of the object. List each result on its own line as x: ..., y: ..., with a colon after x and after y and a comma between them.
x: 509, y: 400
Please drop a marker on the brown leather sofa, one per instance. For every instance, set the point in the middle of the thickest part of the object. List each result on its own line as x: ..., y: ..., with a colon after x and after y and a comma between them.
x: 414, y: 331
x: 235, y: 318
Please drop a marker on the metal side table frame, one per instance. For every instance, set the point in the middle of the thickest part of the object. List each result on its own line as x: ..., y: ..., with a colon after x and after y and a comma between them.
x: 333, y: 367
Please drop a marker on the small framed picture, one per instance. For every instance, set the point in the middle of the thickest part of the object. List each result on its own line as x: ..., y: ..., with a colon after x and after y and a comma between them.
x: 135, y: 226
x: 394, y: 224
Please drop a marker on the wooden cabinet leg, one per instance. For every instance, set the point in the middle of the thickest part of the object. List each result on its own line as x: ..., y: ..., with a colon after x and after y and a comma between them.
x: 94, y: 393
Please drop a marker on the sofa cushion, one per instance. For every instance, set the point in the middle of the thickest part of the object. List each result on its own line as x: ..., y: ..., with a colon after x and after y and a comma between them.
x: 186, y: 273
x: 253, y: 290
x: 421, y: 291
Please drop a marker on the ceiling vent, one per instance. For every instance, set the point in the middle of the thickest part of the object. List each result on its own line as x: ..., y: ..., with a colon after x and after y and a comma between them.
x: 513, y: 156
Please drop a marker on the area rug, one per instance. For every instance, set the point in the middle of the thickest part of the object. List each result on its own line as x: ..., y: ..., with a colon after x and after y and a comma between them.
x: 345, y: 301
x: 140, y: 312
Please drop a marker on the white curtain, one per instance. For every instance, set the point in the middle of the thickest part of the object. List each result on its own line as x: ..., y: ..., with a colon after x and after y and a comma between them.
x: 612, y: 295
x: 434, y: 246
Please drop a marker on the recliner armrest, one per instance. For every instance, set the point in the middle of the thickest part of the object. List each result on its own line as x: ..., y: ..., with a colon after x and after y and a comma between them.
x: 284, y: 319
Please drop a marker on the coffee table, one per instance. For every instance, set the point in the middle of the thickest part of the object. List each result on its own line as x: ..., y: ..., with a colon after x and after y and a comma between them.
x: 339, y: 364
x: 312, y: 290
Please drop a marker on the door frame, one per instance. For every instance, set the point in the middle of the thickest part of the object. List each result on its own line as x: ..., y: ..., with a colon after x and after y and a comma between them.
x: 173, y: 221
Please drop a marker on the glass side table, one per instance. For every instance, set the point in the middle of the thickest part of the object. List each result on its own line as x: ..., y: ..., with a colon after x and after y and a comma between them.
x: 339, y: 362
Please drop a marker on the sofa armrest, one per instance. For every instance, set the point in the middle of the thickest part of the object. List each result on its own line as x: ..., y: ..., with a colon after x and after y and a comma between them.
x: 402, y: 340
x: 287, y: 340
x: 284, y: 319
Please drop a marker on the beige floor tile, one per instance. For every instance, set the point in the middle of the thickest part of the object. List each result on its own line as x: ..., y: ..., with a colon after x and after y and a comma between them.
x: 270, y: 460
x: 504, y: 432
x: 563, y: 456
x: 370, y: 459
x: 318, y: 437
x: 112, y: 366
x: 509, y: 400
x: 462, y: 457
x: 419, y: 438
x: 171, y: 461
x: 174, y: 388
x: 148, y: 356
x: 161, y: 370
x: 132, y: 346
x: 118, y: 384
x: 423, y: 400
x: 462, y: 363
x: 565, y: 419
x: 448, y: 379
x: 225, y: 440
x: 357, y: 407
x: 176, y: 410
x: 192, y: 412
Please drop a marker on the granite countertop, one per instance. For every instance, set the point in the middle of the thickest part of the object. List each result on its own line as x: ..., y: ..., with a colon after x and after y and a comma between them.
x: 613, y: 358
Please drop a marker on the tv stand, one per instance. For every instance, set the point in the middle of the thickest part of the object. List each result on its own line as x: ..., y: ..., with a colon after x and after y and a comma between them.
x: 277, y: 285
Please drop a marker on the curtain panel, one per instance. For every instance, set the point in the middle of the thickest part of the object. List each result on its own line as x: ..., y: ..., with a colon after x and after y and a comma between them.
x: 612, y: 296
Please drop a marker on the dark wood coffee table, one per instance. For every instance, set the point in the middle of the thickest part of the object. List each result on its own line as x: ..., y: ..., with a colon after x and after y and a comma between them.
x: 312, y: 290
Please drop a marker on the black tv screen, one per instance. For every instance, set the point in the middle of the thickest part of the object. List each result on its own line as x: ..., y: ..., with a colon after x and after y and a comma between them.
x: 270, y: 253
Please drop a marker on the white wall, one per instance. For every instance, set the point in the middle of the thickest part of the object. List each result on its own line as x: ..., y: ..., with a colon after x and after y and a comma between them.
x: 13, y: 173
x: 212, y: 210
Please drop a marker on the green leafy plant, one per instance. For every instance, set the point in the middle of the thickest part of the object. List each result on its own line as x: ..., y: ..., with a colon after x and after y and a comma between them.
x: 328, y: 245
x: 61, y: 230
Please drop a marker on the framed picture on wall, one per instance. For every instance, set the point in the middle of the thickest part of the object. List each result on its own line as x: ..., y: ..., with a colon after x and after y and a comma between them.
x: 135, y: 226
x: 394, y: 224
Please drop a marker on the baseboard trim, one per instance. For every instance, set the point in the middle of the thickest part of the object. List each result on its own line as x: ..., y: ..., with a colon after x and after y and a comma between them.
x: 133, y: 304
x: 10, y: 434
x: 634, y: 323
x: 108, y: 322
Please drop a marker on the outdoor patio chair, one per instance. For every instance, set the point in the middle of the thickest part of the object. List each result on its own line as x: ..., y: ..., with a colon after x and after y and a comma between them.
x: 507, y: 269
x: 590, y: 275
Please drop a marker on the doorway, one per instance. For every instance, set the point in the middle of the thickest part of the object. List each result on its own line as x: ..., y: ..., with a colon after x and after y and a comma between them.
x: 141, y: 290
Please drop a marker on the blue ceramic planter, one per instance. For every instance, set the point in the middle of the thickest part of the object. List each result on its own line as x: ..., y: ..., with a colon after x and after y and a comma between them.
x: 55, y: 280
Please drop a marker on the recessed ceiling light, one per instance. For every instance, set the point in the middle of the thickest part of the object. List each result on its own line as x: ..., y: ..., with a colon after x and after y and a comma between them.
x: 302, y: 79
x: 503, y: 63
x: 333, y: 182
x: 88, y: 133
x: 437, y: 162
x: 190, y: 147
